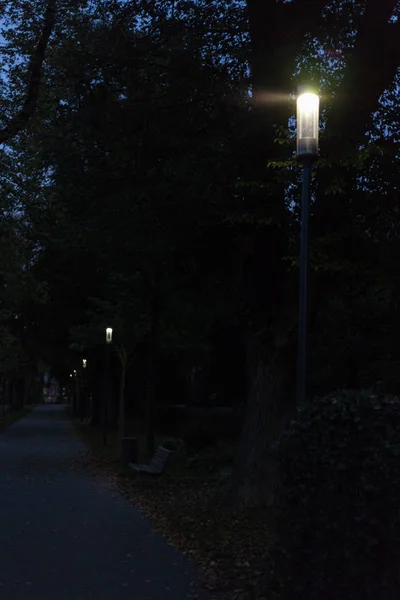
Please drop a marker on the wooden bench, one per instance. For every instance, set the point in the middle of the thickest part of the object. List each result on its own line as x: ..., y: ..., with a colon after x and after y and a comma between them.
x: 157, y: 464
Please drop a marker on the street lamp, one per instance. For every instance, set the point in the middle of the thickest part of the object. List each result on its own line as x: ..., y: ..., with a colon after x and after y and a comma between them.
x: 307, y: 151
x: 307, y: 123
x: 84, y: 363
x: 107, y: 387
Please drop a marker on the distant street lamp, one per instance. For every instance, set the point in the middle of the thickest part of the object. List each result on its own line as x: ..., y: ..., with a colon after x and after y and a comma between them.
x: 307, y: 151
x: 107, y: 387
x: 75, y: 402
x: 83, y: 395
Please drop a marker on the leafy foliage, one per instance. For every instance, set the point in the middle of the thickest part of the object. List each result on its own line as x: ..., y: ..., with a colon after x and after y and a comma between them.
x: 123, y: 203
x: 338, y: 522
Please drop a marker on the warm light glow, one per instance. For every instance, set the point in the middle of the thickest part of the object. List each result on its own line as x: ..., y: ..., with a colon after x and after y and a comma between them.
x: 109, y: 332
x: 307, y: 123
x: 70, y: 374
x: 84, y: 363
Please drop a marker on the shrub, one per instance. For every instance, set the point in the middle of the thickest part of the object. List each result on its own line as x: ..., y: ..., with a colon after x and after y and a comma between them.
x: 197, y: 435
x: 338, y: 507
x: 211, y: 425
x: 169, y: 419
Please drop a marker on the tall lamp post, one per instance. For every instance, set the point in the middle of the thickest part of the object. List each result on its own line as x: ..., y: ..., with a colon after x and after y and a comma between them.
x: 307, y: 151
x: 77, y: 395
x: 107, y: 387
x: 71, y: 394
x: 82, y: 403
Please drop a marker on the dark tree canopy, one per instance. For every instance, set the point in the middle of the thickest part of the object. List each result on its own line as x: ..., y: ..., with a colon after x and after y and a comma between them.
x: 145, y: 186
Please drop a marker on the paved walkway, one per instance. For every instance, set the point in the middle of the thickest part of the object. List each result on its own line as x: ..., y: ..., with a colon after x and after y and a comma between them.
x: 64, y: 536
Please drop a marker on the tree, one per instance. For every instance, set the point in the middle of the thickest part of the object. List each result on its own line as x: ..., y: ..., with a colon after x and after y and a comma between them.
x: 133, y: 239
x: 279, y: 33
x: 16, y: 123
x: 15, y: 273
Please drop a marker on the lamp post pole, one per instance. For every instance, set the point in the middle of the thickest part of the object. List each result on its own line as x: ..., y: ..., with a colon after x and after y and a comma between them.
x: 107, y: 386
x: 77, y: 393
x: 71, y: 394
x: 307, y: 150
x: 82, y: 408
x: 303, y: 287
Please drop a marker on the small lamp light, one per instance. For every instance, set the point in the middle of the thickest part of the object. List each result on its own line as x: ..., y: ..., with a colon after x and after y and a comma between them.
x: 70, y: 374
x: 84, y: 363
x: 74, y: 371
x: 109, y: 332
x: 307, y: 123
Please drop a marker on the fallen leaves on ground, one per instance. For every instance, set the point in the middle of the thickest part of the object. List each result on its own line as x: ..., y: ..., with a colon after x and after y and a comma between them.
x: 230, y: 546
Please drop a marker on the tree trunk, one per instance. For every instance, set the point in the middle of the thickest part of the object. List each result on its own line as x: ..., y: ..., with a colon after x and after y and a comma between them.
x: 3, y: 395
x: 107, y: 393
x: 271, y: 403
x: 151, y: 374
x: 27, y: 389
x: 14, y: 395
x: 121, y: 404
x: 18, y: 393
x: 83, y: 401
x: 8, y: 392
x: 96, y: 400
x: 7, y: 395
x: 96, y: 406
x: 78, y: 396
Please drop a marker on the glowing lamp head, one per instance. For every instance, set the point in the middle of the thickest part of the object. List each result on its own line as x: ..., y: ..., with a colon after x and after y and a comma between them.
x: 84, y: 363
x: 109, y: 332
x: 307, y: 123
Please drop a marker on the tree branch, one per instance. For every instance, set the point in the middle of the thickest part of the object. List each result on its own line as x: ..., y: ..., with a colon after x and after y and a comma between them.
x: 370, y: 70
x: 16, y: 124
x: 277, y: 31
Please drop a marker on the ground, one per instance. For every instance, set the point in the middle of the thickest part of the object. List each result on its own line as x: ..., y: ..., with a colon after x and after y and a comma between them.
x: 67, y: 534
x: 230, y: 546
